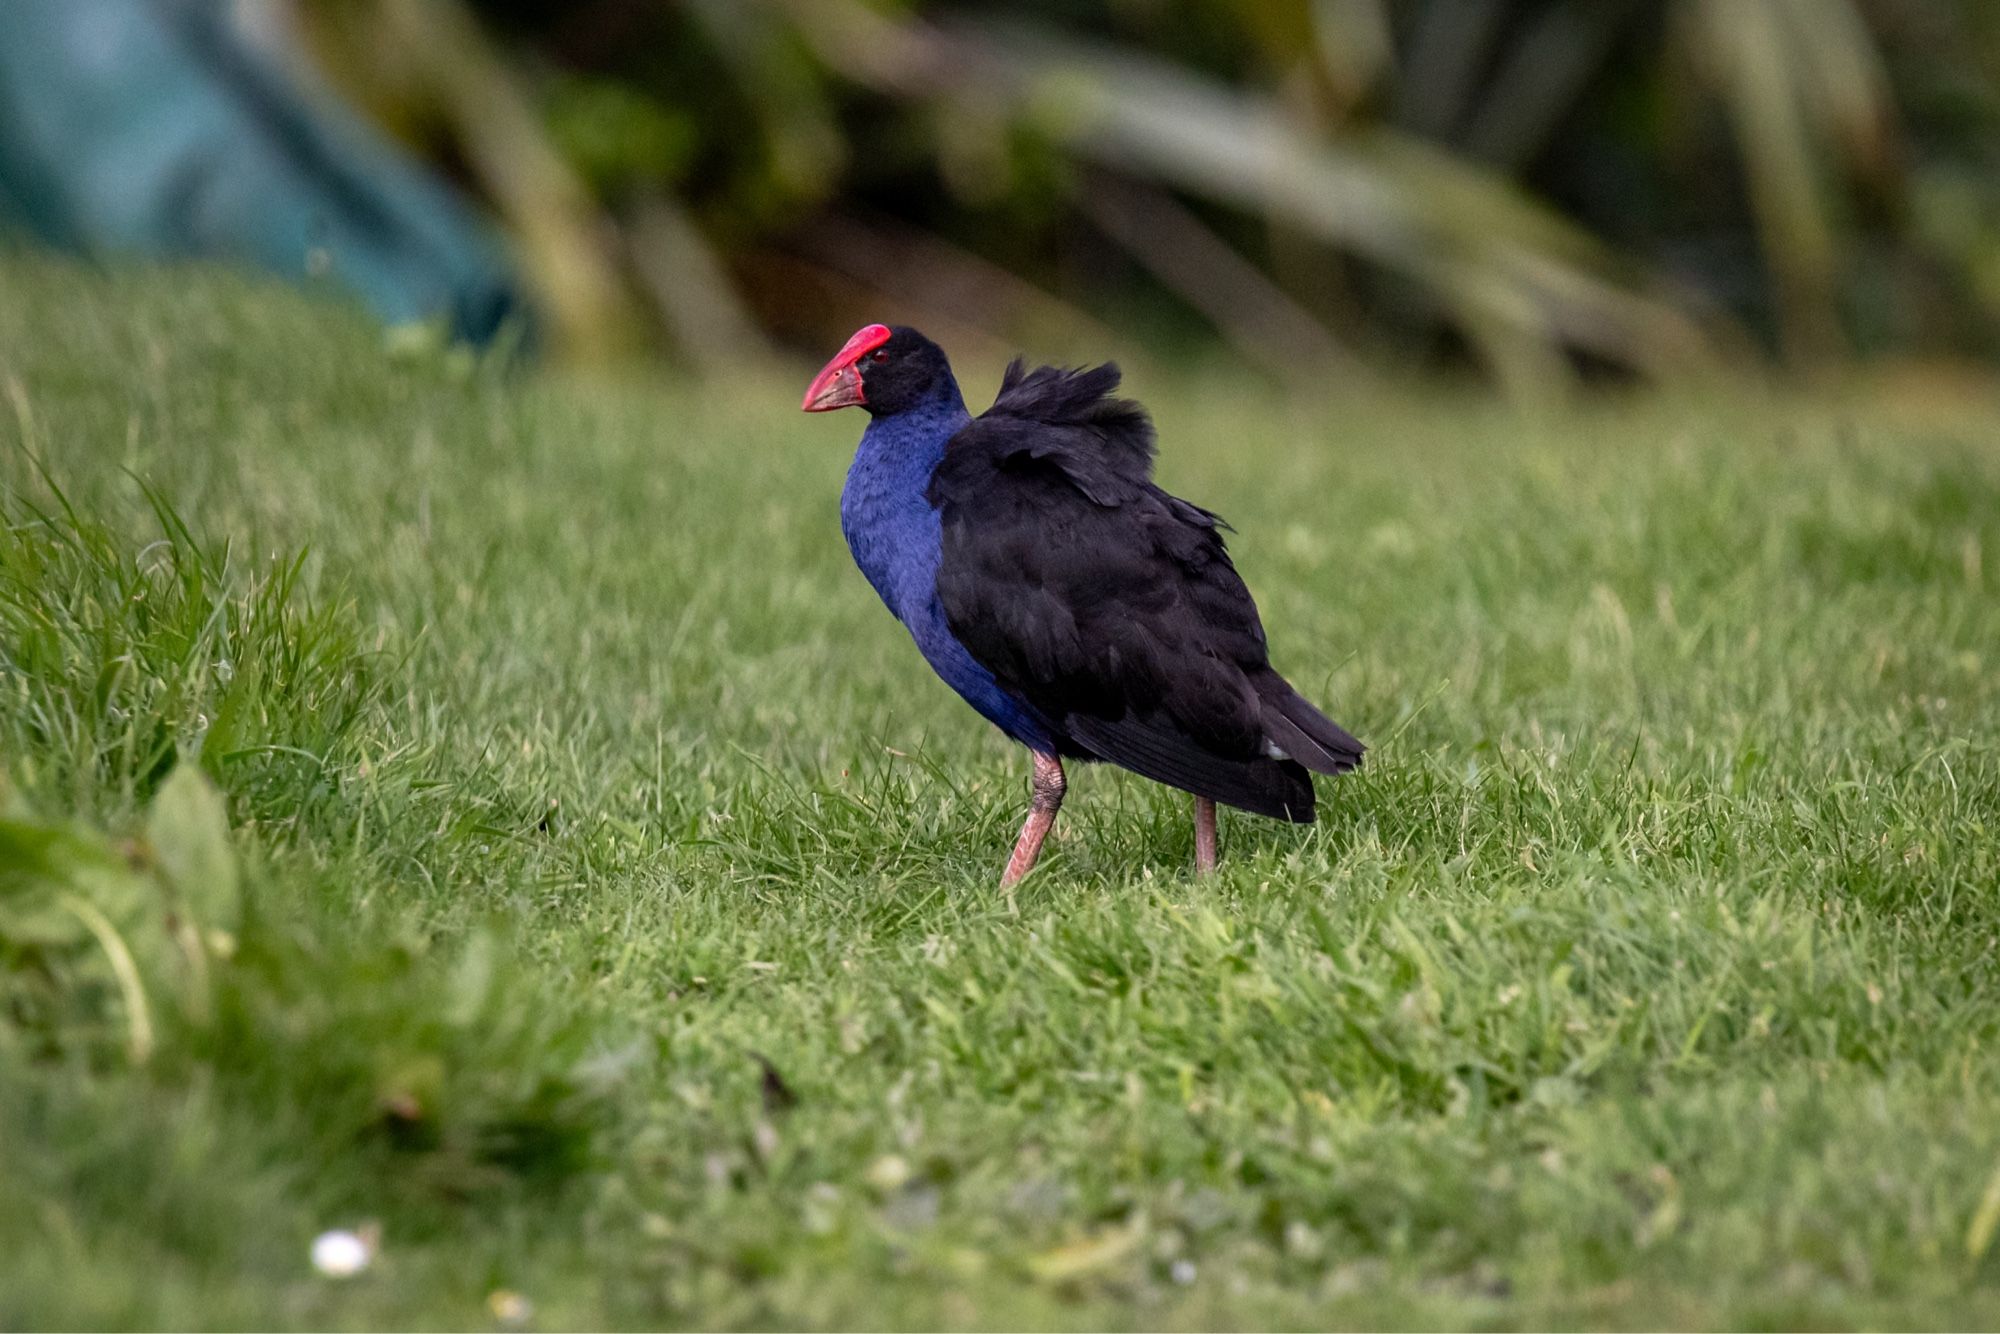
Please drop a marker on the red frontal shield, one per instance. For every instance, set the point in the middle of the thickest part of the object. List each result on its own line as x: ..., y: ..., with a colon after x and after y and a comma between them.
x: 838, y: 384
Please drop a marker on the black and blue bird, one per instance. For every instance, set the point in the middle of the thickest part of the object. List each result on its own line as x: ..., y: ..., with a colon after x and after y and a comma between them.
x: 1075, y: 605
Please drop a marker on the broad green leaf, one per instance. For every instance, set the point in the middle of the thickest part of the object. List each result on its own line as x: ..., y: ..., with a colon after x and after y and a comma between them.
x: 189, y: 830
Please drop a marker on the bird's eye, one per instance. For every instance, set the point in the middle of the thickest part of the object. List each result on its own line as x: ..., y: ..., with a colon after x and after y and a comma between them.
x: 881, y: 356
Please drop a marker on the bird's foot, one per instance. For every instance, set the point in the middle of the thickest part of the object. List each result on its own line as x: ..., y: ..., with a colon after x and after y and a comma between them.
x: 1042, y: 807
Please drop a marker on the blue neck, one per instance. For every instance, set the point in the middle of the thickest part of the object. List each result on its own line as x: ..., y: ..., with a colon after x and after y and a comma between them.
x: 890, y: 525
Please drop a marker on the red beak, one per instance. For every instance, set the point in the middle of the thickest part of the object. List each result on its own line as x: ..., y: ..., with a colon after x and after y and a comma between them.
x: 838, y: 384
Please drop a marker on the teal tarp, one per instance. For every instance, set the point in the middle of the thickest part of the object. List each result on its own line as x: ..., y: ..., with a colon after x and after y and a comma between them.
x: 154, y: 127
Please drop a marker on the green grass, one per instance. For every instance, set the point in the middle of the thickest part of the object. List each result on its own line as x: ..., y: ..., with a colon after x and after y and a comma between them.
x: 1646, y: 976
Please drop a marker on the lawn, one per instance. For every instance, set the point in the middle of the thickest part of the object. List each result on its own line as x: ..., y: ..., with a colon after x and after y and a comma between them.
x: 492, y: 810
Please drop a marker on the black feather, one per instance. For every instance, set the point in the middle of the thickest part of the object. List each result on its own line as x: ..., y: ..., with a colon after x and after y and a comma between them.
x: 1155, y: 750
x: 1304, y: 733
x: 1112, y: 607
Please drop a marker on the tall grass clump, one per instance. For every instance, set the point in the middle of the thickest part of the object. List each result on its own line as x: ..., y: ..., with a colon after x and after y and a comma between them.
x: 118, y: 660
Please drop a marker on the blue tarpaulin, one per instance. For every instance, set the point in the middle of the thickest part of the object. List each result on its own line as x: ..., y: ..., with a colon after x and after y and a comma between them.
x: 156, y: 128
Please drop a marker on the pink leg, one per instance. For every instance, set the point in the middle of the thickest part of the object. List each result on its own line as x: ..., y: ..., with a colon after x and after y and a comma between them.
x: 1042, y: 807
x: 1204, y: 836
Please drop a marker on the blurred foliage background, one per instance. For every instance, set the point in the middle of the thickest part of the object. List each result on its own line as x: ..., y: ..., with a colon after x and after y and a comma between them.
x: 1540, y: 192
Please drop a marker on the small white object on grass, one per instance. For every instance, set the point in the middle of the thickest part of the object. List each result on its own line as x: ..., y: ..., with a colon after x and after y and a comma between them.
x: 510, y: 1308
x: 888, y: 1174
x: 341, y: 1254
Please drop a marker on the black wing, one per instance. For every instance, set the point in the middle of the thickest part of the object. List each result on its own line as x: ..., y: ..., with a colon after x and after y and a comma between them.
x: 1111, y: 606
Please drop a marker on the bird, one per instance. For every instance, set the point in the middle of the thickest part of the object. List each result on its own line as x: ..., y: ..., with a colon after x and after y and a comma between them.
x: 1076, y: 606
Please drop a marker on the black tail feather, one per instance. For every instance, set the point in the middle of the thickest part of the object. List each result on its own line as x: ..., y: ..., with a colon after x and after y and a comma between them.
x: 1161, y: 752
x: 1305, y: 734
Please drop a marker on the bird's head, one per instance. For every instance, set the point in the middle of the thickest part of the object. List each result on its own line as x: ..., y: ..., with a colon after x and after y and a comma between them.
x: 884, y: 369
